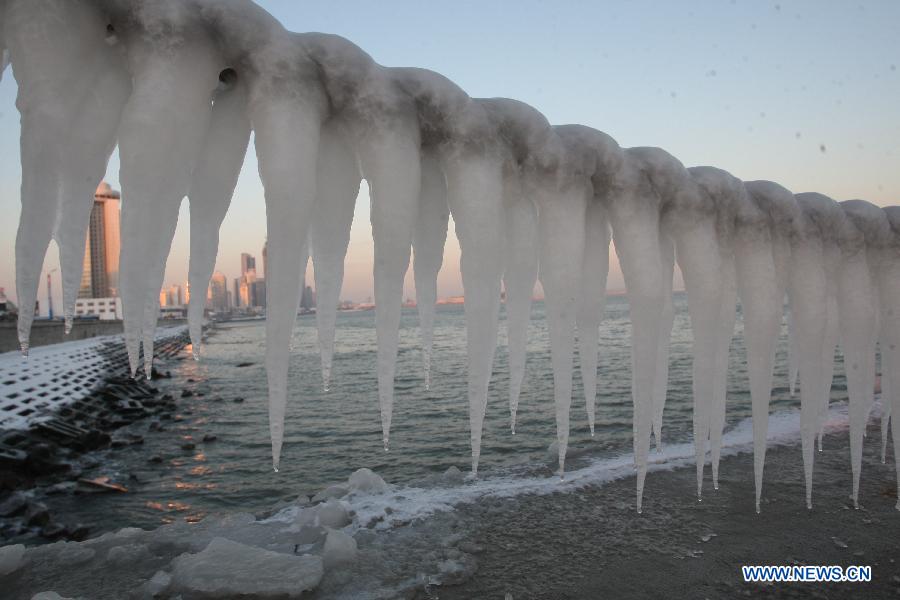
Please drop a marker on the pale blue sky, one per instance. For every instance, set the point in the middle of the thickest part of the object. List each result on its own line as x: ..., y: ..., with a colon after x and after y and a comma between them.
x: 756, y: 87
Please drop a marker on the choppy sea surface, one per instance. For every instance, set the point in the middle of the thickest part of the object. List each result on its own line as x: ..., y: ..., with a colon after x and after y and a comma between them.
x: 330, y: 434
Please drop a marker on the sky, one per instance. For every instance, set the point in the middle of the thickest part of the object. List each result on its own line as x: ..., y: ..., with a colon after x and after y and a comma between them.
x: 804, y: 93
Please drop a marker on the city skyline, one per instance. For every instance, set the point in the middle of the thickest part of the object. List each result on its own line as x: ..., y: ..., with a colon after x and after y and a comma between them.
x: 749, y: 87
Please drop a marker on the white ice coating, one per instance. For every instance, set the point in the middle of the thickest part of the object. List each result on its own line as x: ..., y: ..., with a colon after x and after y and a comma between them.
x: 180, y: 85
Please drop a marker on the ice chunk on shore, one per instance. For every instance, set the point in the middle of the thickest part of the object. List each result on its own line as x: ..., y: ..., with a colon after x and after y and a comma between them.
x: 11, y: 558
x: 156, y: 585
x: 340, y: 549
x: 367, y: 481
x: 333, y: 514
x: 226, y: 568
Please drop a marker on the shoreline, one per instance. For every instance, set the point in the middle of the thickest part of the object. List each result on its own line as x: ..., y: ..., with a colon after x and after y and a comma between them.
x: 585, y: 541
x: 592, y: 543
x: 47, y: 456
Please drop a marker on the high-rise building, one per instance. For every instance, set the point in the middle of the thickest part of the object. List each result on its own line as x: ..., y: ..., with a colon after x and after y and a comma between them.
x: 248, y: 263
x: 307, y: 298
x: 100, y: 277
x: 236, y: 294
x: 218, y: 292
x: 175, y: 296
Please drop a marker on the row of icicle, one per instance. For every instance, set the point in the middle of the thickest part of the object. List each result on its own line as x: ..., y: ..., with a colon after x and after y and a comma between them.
x: 179, y: 85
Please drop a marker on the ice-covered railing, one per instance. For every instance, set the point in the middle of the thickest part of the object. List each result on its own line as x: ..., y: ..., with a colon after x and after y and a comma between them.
x: 180, y: 84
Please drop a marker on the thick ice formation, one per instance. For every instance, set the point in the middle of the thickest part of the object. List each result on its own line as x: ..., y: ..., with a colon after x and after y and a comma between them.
x: 180, y: 85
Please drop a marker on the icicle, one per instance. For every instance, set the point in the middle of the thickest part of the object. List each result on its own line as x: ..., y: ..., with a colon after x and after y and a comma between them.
x: 635, y: 224
x: 863, y: 231
x: 856, y: 316
x: 47, y: 45
x: 161, y: 133
x: 761, y: 305
x: 809, y: 304
x: 475, y: 196
x: 91, y: 139
x: 338, y: 186
x: 391, y: 164
x: 763, y: 261
x: 808, y: 290
x: 212, y: 187
x: 661, y: 382
x: 519, y: 277
x: 429, y: 237
x: 698, y: 257
x: 561, y: 228
x: 592, y: 299
x: 286, y: 130
x: 889, y: 294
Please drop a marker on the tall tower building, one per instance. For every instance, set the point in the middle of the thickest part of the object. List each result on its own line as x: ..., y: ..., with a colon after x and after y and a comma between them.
x: 248, y: 263
x: 100, y: 277
x: 218, y: 292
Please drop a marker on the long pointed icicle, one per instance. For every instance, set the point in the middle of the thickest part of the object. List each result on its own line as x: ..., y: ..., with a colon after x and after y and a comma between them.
x: 47, y: 45
x: 475, y: 196
x: 561, y: 227
x: 763, y: 254
x: 637, y: 244
x: 761, y: 302
x: 429, y: 237
x: 212, y: 186
x: 856, y: 315
x: 661, y: 382
x: 93, y: 132
x: 391, y: 164
x: 287, y: 140
x: 519, y: 276
x: 863, y: 230
x: 592, y: 299
x: 698, y: 256
x: 160, y: 138
x: 338, y: 186
x: 808, y: 290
